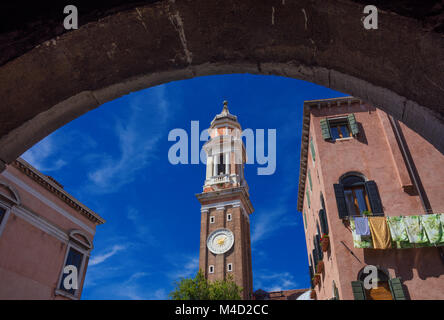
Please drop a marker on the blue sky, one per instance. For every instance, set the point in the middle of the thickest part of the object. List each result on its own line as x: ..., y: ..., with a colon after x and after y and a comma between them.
x: 114, y: 159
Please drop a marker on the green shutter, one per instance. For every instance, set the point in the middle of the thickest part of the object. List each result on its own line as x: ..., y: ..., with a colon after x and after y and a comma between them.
x: 325, y: 128
x: 315, y: 257
x: 358, y: 290
x: 308, y: 198
x: 323, y: 221
x: 309, y: 180
x: 396, y: 289
x: 312, y: 148
x: 305, y: 220
x: 318, y: 247
x: 335, y: 291
x: 353, y: 124
x: 310, y: 271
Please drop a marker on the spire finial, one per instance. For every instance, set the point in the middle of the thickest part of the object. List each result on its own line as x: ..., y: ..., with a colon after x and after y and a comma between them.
x: 225, y: 109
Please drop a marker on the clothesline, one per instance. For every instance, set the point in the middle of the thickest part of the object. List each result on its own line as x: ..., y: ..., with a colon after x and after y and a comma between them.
x: 385, y: 232
x: 403, y: 214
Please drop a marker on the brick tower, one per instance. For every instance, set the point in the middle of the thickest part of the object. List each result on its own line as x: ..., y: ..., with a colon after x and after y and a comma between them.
x: 225, y: 247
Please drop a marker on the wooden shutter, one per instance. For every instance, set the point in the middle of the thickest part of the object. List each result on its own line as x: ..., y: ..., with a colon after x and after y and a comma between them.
x: 340, y: 201
x: 358, y: 290
x: 309, y: 180
x: 353, y: 124
x: 325, y: 128
x: 310, y: 270
x: 323, y: 220
x: 397, y: 289
x: 315, y: 257
x: 308, y: 198
x: 318, y: 247
x: 335, y: 291
x: 313, y: 153
x: 373, y: 198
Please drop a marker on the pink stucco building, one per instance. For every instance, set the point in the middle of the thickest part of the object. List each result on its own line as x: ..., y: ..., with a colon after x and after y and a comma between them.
x: 42, y: 230
x: 356, y: 160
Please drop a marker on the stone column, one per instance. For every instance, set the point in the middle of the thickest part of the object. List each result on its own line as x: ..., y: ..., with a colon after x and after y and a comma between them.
x: 227, y: 163
x: 215, y: 157
x: 209, y: 167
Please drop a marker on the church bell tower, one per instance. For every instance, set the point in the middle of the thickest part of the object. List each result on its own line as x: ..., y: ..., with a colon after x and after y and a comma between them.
x: 225, y: 247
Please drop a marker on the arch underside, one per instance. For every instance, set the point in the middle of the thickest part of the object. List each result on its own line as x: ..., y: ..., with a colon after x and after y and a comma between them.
x: 398, y: 68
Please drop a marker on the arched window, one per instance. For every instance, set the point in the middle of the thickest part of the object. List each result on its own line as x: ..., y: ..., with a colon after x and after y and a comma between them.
x: 385, y: 289
x: 77, y: 251
x: 356, y: 196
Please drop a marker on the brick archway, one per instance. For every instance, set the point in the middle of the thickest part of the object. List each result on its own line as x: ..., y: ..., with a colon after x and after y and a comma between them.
x: 398, y: 67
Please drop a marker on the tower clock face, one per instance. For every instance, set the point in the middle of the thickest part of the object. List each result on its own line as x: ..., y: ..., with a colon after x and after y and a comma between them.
x: 220, y: 241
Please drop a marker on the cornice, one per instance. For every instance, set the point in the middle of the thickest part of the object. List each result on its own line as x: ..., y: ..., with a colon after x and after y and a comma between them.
x: 55, y: 188
x: 206, y: 198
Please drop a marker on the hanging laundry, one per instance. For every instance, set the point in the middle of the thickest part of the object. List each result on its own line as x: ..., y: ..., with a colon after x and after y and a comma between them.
x: 361, y: 224
x: 398, y: 233
x: 361, y: 242
x: 397, y: 229
x: 415, y: 230
x: 433, y: 227
x: 380, y: 233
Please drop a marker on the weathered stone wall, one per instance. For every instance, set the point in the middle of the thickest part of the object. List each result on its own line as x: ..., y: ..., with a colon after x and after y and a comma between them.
x: 398, y: 67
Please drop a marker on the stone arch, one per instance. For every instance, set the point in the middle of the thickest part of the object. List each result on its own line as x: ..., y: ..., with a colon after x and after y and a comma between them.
x: 137, y: 47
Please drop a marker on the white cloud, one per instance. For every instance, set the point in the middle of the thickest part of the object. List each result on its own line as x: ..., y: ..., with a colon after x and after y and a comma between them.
x: 143, y: 231
x: 185, y: 268
x: 133, y: 288
x: 105, y: 256
x: 52, y: 154
x: 138, y: 136
x: 266, y: 222
x: 40, y: 155
x: 276, y: 281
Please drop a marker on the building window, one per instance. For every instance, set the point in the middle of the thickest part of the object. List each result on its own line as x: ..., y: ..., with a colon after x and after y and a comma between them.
x: 309, y: 180
x: 356, y: 197
x: 323, y: 216
x: 211, y: 269
x: 78, y: 249
x: 212, y: 219
x: 74, y: 258
x: 323, y: 221
x: 339, y: 128
x: 308, y: 198
x: 229, y: 217
x: 230, y: 267
x: 2, y: 214
x: 221, y: 165
x: 335, y: 291
x: 312, y: 149
x: 387, y: 289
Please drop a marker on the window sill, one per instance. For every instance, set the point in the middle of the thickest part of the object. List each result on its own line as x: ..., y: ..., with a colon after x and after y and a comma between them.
x: 59, y: 292
x: 344, y: 139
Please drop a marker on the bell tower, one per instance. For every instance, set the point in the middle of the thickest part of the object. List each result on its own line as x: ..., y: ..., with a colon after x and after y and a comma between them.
x: 225, y: 247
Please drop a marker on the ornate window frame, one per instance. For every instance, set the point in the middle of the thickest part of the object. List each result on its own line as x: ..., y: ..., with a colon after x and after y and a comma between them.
x: 84, y: 247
